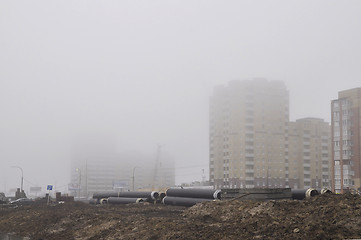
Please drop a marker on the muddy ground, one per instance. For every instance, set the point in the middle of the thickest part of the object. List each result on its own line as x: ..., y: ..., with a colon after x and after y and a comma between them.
x: 322, y: 217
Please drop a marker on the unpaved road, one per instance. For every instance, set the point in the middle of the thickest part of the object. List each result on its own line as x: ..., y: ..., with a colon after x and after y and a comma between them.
x: 322, y: 217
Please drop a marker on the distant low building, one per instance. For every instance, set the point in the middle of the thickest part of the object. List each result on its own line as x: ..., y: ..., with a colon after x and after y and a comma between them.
x: 109, y: 171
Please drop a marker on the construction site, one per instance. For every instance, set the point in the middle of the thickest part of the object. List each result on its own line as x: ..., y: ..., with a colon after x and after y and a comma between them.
x: 257, y: 214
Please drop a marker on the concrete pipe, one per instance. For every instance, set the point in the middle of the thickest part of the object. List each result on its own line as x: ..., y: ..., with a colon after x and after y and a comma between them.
x: 325, y: 190
x: 162, y: 195
x: 148, y: 195
x: 301, y: 194
x: 121, y: 200
x: 103, y: 201
x: 181, y: 201
x: 194, y: 193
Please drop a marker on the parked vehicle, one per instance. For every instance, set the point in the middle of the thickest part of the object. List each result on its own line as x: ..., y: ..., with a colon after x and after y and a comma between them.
x: 22, y: 201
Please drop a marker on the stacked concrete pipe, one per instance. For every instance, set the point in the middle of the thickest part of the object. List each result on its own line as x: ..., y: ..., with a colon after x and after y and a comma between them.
x: 125, y: 197
x: 190, y: 196
x: 123, y: 200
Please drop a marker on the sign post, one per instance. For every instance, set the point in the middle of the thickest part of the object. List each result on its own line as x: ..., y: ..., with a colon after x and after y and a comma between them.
x: 49, y: 188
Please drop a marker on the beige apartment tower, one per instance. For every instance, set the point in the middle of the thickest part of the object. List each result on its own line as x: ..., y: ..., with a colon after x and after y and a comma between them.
x: 346, y: 128
x: 254, y: 145
x: 309, y: 151
x: 248, y: 128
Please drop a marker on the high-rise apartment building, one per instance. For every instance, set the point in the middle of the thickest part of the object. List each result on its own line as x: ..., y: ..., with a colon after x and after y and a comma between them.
x: 254, y: 145
x: 346, y: 128
x: 248, y: 127
x: 309, y: 151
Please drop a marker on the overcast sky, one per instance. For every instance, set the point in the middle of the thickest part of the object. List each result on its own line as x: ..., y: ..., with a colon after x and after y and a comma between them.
x: 143, y: 71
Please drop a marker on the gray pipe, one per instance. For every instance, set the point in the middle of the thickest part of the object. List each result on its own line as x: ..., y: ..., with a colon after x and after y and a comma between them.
x: 194, y: 193
x: 181, y: 201
x: 148, y: 195
x: 301, y: 194
x: 122, y: 200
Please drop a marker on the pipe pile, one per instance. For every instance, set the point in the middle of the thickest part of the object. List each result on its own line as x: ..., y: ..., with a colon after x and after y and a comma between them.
x: 124, y: 200
x: 300, y: 194
x: 125, y: 197
x: 150, y: 196
x: 190, y: 196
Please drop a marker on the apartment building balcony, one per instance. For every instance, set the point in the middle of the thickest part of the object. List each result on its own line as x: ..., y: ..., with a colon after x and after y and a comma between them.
x: 307, y: 165
x: 249, y: 155
x: 249, y: 148
x: 250, y: 163
x: 249, y: 170
x: 249, y: 178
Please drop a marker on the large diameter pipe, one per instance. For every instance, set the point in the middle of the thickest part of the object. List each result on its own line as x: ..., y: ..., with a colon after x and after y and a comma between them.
x: 149, y: 195
x: 162, y: 195
x: 301, y: 194
x: 181, y: 201
x: 123, y: 200
x: 194, y: 193
x: 325, y: 190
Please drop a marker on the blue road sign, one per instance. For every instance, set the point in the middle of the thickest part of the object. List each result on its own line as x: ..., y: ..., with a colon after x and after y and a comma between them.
x: 50, y: 187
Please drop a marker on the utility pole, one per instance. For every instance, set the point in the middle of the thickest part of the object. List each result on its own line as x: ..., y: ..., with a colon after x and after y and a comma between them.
x: 86, y: 177
x: 133, y: 177
x: 157, y: 165
x: 79, y: 181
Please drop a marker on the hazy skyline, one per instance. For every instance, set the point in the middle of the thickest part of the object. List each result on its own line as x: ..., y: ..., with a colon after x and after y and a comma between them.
x: 143, y: 72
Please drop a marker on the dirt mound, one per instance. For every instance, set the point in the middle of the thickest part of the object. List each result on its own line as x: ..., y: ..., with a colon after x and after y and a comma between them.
x: 323, y: 217
x: 328, y: 216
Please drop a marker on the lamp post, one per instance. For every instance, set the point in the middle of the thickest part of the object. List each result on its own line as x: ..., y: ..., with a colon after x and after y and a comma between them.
x: 22, y: 177
x: 79, y: 181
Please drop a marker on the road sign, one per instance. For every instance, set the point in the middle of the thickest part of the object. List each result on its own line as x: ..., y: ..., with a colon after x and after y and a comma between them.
x: 50, y: 187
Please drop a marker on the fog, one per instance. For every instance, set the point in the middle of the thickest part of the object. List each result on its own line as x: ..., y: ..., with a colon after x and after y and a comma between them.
x: 142, y: 72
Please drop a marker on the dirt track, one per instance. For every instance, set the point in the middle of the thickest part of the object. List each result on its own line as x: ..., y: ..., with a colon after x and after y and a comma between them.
x: 322, y: 217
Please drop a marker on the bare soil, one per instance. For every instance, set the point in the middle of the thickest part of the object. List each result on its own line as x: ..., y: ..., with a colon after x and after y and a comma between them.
x: 322, y: 217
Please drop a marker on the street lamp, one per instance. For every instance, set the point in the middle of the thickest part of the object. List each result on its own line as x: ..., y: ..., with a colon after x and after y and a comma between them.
x: 22, y: 177
x: 79, y: 179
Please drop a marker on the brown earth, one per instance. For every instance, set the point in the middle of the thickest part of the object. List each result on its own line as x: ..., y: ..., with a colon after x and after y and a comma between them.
x: 322, y: 217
